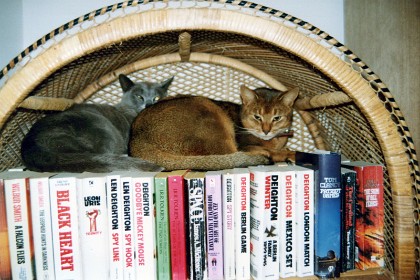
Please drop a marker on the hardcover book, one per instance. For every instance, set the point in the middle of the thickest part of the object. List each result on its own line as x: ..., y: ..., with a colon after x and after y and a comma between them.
x: 304, y: 221
x: 16, y: 186
x: 144, y: 224
x: 128, y: 228
x: 65, y: 227
x: 228, y: 190
x: 214, y: 224
x: 93, y: 224
x: 177, y: 224
x: 326, y: 166
x: 41, y: 225
x: 287, y: 214
x: 115, y: 225
x: 194, y: 182
x: 265, y: 222
x: 348, y: 183
x: 369, y: 214
x: 242, y: 223
x: 162, y: 226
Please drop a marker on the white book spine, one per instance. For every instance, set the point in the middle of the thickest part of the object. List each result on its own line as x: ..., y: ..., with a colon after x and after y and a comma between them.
x: 228, y: 191
x: 264, y: 224
x: 93, y: 225
x: 41, y: 227
x: 18, y: 228
x: 115, y: 226
x: 305, y: 222
x: 65, y: 228
x: 144, y: 225
x: 287, y: 234
x: 128, y: 229
x: 242, y: 222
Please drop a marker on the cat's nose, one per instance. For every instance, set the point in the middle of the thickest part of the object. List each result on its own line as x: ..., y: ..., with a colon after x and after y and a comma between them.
x: 149, y: 103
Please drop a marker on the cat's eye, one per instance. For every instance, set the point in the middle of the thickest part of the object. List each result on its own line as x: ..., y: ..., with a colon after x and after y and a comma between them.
x: 257, y: 117
x: 276, y: 118
x: 156, y: 99
x: 139, y: 97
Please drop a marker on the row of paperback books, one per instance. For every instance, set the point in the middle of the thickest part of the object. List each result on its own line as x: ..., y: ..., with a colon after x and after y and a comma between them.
x: 319, y: 217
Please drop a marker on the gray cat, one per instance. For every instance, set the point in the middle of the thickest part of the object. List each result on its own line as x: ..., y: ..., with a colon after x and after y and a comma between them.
x: 91, y: 137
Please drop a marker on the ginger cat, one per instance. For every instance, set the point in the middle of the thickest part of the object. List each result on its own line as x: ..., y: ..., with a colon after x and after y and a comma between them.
x: 187, y: 132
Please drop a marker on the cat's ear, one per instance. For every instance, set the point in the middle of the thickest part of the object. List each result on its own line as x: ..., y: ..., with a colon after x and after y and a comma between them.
x: 125, y: 82
x: 247, y: 95
x: 290, y: 97
x: 165, y: 84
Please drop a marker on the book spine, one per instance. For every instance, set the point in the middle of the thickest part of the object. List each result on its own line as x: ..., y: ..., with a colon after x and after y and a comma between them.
x: 144, y: 224
x: 214, y: 226
x: 348, y: 181
x: 41, y: 226
x: 177, y: 227
x: 65, y: 228
x: 162, y: 229
x: 19, y: 228
x: 93, y: 226
x: 228, y: 190
x: 242, y: 222
x: 264, y: 202
x: 287, y: 233
x: 5, y: 269
x: 197, y: 229
x: 328, y: 217
x: 370, y: 224
x: 115, y: 226
x: 305, y: 223
x: 128, y: 228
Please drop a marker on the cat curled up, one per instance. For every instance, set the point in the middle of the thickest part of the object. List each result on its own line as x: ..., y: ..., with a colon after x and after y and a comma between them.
x: 187, y: 132
x: 91, y: 137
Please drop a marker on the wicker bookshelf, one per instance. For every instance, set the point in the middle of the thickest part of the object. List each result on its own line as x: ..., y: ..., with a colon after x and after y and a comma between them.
x: 212, y: 47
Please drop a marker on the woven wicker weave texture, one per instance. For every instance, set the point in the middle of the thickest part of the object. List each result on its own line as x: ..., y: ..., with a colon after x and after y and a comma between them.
x: 90, y: 51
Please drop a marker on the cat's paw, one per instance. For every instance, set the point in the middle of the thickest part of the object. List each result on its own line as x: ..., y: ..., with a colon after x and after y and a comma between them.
x: 283, y: 155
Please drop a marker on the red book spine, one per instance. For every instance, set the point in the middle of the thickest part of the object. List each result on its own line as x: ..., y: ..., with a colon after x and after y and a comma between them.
x: 177, y: 227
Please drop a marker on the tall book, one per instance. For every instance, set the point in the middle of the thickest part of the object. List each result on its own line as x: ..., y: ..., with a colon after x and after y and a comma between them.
x: 214, y: 218
x: 287, y: 218
x: 115, y: 225
x: 41, y: 225
x: 369, y: 214
x: 194, y: 182
x: 93, y: 224
x: 65, y: 226
x: 128, y: 228
x: 242, y: 223
x: 304, y: 189
x: 144, y: 224
x: 228, y: 190
x: 177, y: 224
x: 162, y: 226
x: 327, y: 176
x: 265, y: 222
x: 16, y: 186
x: 348, y: 184
x: 5, y: 269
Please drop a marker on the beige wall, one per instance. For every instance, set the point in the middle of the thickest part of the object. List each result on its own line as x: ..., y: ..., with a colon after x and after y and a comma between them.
x: 385, y: 34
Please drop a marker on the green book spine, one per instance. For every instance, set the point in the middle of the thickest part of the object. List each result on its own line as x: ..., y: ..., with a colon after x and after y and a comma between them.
x: 162, y: 227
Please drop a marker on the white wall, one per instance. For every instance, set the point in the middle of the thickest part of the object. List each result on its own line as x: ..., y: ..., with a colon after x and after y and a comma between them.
x: 29, y: 20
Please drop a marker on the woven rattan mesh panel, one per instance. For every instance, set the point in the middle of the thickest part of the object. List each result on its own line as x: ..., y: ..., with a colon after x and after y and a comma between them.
x: 349, y: 128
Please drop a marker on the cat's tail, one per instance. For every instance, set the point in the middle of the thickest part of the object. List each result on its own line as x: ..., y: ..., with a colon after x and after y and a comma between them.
x: 207, y: 162
x: 81, y: 162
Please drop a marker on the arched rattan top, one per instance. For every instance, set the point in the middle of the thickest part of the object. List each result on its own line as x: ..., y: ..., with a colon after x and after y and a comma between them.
x: 293, y: 35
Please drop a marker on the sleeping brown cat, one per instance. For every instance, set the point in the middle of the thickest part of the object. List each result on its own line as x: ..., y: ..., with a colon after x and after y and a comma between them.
x: 186, y: 132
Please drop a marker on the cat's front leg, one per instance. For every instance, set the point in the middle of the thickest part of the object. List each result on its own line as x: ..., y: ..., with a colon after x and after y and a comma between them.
x: 283, y: 155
